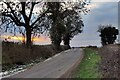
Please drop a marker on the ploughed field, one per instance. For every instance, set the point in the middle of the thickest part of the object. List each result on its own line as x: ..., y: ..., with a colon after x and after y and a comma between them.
x: 110, y: 56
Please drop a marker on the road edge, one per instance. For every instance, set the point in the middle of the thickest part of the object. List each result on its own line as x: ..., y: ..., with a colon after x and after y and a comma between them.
x: 69, y: 73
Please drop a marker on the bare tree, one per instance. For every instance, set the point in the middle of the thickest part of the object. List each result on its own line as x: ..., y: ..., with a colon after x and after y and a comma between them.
x: 26, y: 14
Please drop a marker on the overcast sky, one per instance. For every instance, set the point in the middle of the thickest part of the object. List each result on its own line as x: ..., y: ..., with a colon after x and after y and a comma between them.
x: 101, y: 13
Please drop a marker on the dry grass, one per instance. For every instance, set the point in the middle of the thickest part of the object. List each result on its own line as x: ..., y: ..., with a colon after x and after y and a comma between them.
x: 20, y: 54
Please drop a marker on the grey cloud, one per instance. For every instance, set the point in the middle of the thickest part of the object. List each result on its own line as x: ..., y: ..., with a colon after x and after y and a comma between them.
x: 106, y: 13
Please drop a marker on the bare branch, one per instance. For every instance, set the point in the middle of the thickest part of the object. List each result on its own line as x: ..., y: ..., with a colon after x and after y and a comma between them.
x: 42, y: 15
x: 16, y: 22
x: 31, y: 10
x: 23, y: 13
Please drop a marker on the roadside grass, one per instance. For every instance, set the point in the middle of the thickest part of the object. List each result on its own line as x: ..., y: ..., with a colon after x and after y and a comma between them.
x: 89, y: 66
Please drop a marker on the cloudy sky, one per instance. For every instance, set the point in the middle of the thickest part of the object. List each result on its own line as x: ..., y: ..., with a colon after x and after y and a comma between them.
x: 101, y: 13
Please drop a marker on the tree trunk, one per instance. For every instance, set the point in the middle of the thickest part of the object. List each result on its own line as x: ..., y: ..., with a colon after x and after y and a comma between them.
x: 66, y: 41
x: 28, y: 37
x: 56, y: 40
x: 55, y: 36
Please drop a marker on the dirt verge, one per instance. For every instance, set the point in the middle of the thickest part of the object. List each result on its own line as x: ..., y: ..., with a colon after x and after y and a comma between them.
x: 110, y: 56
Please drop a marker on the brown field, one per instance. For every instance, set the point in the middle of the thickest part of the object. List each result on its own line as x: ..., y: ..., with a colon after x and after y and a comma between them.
x: 110, y: 56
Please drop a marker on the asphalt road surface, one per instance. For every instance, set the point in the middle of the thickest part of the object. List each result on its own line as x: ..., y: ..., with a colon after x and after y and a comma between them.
x: 55, y: 67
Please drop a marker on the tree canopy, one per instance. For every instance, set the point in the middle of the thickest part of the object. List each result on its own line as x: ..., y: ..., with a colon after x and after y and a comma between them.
x: 66, y: 20
x: 108, y: 34
x: 61, y: 19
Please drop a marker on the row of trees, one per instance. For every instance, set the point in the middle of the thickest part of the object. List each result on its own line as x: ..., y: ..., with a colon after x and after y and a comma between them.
x: 61, y: 19
x: 66, y: 23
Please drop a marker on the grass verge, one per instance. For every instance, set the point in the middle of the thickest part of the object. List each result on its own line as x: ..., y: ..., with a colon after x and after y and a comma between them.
x: 89, y: 66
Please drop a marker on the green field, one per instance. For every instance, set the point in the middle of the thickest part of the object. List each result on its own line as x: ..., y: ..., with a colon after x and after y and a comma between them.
x: 89, y: 66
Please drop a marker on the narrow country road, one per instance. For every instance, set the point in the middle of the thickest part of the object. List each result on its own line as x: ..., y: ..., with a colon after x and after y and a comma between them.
x: 59, y: 66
